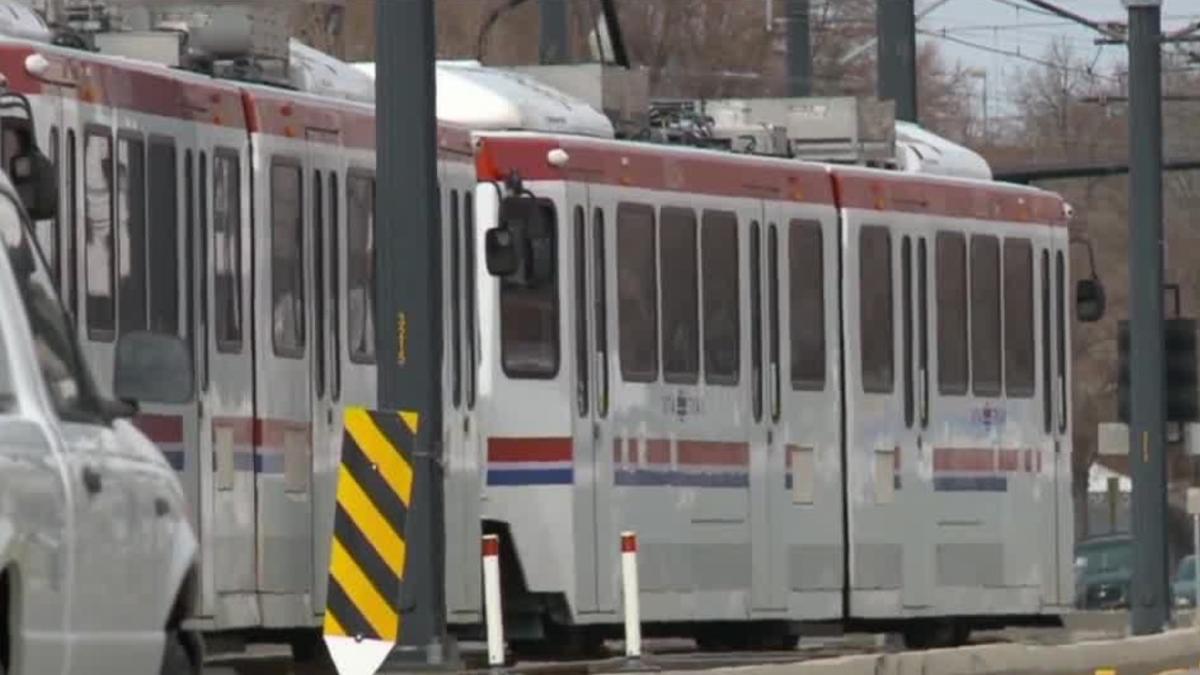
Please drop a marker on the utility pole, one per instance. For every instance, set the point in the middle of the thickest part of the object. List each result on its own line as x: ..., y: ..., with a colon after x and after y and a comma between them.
x: 896, y: 23
x: 552, y: 46
x: 799, y: 49
x: 408, y: 301
x: 1147, y: 422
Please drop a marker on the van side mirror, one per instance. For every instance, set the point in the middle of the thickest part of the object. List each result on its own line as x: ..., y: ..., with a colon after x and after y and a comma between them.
x: 153, y: 368
x: 36, y: 181
x: 1089, y: 300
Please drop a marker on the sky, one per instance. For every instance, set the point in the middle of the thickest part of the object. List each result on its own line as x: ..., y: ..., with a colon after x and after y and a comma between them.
x: 1023, y: 32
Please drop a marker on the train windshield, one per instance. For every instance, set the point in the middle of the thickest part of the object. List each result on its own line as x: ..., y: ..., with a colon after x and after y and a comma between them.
x: 54, y: 343
x: 529, y: 305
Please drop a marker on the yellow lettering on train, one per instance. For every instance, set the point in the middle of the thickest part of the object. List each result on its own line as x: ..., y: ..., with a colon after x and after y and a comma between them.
x: 401, y: 339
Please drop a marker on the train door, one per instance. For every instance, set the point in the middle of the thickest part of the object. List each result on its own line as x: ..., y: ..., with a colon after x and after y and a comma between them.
x: 590, y: 543
x: 326, y: 418
x: 463, y: 527
x: 225, y: 378
x: 766, y: 457
x: 1058, y: 415
x: 285, y: 355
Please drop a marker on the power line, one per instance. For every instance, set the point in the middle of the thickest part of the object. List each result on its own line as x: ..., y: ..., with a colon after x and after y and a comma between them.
x: 1015, y: 55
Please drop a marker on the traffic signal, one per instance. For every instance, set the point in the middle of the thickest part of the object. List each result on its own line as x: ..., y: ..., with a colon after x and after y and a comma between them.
x: 1183, y: 399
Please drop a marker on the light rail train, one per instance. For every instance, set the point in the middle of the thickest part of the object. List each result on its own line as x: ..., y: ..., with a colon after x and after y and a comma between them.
x: 818, y: 393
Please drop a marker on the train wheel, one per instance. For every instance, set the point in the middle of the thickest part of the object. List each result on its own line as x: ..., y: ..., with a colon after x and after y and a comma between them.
x: 936, y: 634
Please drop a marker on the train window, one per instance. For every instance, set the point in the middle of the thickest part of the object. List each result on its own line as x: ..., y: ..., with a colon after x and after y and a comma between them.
x: 189, y: 215
x: 756, y: 390
x: 335, y: 287
x: 227, y: 245
x: 985, y: 315
x: 923, y: 329
x: 1060, y: 272
x: 162, y: 237
x: 72, y: 286
x: 131, y: 234
x: 876, y: 319
x: 637, y: 292
x: 582, y: 385
x: 469, y: 298
x: 951, y: 276
x: 202, y: 257
x: 455, y: 303
x: 98, y: 257
x: 287, y: 259
x: 600, y: 272
x: 1047, y: 382
x: 773, y: 319
x: 722, y: 300
x: 1019, y: 361
x: 360, y: 266
x: 319, y: 289
x: 529, y: 332
x: 906, y: 327
x: 680, y: 287
x: 53, y: 249
x: 806, y: 289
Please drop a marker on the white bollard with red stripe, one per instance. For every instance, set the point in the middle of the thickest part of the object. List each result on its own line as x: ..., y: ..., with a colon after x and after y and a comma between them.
x: 491, y: 600
x: 633, y: 613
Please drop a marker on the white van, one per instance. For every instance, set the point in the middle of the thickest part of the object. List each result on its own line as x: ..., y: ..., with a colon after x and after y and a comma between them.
x: 97, y: 556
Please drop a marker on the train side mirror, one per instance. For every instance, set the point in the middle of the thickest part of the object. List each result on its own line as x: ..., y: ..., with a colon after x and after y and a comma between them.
x: 34, y: 177
x: 1089, y: 300
x: 503, y: 257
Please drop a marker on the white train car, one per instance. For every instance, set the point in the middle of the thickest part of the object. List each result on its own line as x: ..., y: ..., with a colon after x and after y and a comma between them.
x: 817, y: 393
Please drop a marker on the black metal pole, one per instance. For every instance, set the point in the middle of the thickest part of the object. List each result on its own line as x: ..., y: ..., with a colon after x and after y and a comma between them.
x: 799, y: 48
x: 896, y: 22
x: 1147, y: 424
x: 552, y: 46
x: 408, y: 299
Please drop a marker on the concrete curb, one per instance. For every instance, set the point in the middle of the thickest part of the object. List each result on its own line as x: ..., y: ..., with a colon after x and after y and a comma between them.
x: 1179, y: 647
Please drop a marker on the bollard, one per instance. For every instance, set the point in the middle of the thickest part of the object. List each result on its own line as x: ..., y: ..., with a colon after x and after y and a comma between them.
x: 491, y: 599
x: 629, y: 577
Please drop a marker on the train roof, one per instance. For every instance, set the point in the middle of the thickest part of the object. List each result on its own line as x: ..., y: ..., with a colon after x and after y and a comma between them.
x: 682, y: 168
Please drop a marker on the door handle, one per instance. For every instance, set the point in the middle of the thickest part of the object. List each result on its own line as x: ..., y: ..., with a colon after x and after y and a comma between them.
x: 91, y: 480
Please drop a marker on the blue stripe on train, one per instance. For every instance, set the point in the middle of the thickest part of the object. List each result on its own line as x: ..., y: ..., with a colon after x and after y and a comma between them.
x: 660, y: 478
x: 531, y: 476
x: 970, y: 483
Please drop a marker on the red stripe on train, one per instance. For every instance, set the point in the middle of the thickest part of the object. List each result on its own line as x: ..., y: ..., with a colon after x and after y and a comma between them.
x: 161, y: 428
x: 713, y: 453
x: 529, y: 450
x: 964, y: 459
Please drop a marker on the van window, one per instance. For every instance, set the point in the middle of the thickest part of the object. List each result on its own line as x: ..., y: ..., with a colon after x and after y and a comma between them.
x: 876, y: 318
x: 680, y: 288
x: 98, y: 257
x: 57, y: 352
x: 360, y: 266
x: 637, y: 292
x: 722, y: 298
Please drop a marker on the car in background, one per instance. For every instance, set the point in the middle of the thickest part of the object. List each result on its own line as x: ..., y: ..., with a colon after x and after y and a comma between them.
x: 1183, y: 587
x: 1103, y: 572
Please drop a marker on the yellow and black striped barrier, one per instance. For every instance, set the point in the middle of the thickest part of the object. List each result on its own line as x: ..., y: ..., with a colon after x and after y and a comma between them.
x: 368, y: 550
